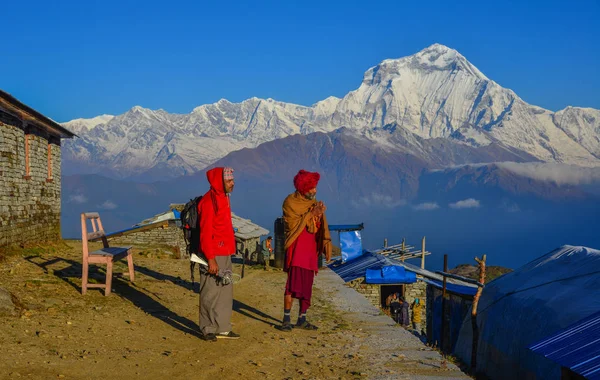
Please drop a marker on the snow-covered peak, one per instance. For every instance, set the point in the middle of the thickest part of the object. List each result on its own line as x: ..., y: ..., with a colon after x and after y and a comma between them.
x: 436, y: 57
x: 441, y: 57
x: 326, y: 106
x: 140, y: 109
x: 82, y: 125
x: 435, y: 93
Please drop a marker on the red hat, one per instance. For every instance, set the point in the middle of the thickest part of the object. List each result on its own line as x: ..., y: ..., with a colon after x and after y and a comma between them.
x: 305, y: 181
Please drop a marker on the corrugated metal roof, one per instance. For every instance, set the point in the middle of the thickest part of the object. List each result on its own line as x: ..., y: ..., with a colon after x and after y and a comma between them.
x: 346, y: 227
x: 246, y: 229
x: 356, y: 268
x: 437, y: 279
x: 577, y: 347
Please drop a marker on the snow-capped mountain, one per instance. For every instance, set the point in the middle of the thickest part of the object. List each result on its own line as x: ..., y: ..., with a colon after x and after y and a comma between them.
x: 79, y: 126
x: 435, y: 93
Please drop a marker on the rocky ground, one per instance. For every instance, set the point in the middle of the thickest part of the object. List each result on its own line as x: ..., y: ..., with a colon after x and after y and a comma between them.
x: 148, y: 329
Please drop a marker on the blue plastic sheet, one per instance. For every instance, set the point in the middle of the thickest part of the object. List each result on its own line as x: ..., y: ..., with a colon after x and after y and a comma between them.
x: 351, y: 245
x: 390, y: 274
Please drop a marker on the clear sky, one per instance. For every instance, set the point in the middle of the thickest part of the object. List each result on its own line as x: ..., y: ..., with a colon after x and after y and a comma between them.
x: 71, y: 59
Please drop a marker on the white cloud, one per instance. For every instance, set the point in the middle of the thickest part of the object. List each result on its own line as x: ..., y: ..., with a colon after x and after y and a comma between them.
x: 467, y: 203
x: 377, y: 199
x: 427, y: 206
x: 78, y: 198
x: 560, y: 174
x: 108, y: 205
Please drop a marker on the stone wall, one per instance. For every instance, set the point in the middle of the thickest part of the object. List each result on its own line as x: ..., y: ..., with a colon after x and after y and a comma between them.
x: 417, y: 290
x: 370, y: 291
x: 29, y: 205
x: 252, y: 245
x: 411, y: 291
x: 166, y: 234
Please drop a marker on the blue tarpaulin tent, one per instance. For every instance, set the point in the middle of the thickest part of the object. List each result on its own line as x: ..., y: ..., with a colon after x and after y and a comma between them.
x: 521, y: 308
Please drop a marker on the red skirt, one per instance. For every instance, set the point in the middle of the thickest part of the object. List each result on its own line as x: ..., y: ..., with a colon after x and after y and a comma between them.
x: 300, y: 283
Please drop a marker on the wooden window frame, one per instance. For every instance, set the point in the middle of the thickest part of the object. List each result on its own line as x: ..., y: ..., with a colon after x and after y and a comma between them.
x: 49, y: 179
x: 27, y: 152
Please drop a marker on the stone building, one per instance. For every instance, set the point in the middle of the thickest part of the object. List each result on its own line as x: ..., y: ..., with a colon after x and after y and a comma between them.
x: 29, y: 174
x: 164, y: 230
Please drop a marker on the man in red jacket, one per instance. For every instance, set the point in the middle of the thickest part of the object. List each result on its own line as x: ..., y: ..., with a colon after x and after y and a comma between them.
x: 217, y: 244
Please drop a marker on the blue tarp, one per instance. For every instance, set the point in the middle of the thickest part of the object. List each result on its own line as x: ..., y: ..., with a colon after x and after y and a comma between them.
x: 453, y: 288
x: 576, y: 347
x: 389, y: 274
x: 520, y: 308
x: 351, y: 245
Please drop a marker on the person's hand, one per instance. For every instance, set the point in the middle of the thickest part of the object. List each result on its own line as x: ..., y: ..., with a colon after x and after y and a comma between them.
x: 318, y: 209
x: 213, y: 267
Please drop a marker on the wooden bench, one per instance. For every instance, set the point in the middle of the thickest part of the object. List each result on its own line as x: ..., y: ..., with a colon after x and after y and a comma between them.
x: 107, y: 255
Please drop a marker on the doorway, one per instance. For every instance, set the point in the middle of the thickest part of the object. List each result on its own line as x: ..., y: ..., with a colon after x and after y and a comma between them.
x: 386, y: 290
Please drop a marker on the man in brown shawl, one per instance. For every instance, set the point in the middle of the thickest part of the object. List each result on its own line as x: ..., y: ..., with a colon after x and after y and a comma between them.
x: 306, y: 237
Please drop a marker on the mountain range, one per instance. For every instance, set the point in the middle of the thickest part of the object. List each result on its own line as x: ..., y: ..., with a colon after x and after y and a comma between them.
x: 411, y: 105
x: 427, y: 145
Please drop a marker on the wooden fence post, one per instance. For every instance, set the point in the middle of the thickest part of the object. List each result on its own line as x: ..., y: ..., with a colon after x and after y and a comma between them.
x: 474, y: 312
x: 423, y: 254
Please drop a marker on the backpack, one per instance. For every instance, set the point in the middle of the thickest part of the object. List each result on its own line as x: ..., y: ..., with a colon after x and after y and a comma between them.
x: 190, y: 223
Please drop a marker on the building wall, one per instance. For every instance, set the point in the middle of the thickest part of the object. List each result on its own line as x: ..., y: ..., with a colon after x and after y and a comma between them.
x: 370, y: 291
x: 167, y: 234
x: 29, y: 207
x: 417, y: 290
x: 411, y: 291
x: 252, y: 245
x: 457, y: 307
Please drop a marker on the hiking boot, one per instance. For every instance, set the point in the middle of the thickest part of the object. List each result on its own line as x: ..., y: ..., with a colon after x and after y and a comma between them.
x: 286, y: 326
x: 306, y: 326
x: 228, y: 335
x: 210, y: 337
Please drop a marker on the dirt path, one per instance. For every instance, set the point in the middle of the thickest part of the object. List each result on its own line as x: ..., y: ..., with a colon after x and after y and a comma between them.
x: 148, y: 329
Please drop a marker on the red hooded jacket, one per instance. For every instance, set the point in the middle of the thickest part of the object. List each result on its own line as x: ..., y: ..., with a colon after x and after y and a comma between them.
x: 216, y: 229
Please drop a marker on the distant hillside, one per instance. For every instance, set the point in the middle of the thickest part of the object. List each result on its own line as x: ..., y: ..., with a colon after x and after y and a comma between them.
x: 471, y: 271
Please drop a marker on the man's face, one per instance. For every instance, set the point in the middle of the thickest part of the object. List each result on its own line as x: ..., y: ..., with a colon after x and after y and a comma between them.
x: 229, y: 184
x: 311, y: 194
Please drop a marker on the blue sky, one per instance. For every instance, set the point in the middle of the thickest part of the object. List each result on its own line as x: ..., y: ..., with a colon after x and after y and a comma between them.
x: 85, y: 58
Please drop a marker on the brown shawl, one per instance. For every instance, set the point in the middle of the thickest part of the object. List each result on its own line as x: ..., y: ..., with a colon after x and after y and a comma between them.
x: 297, y: 216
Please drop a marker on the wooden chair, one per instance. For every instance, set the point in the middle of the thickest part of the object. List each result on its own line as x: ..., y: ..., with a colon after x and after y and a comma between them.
x: 106, y: 255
